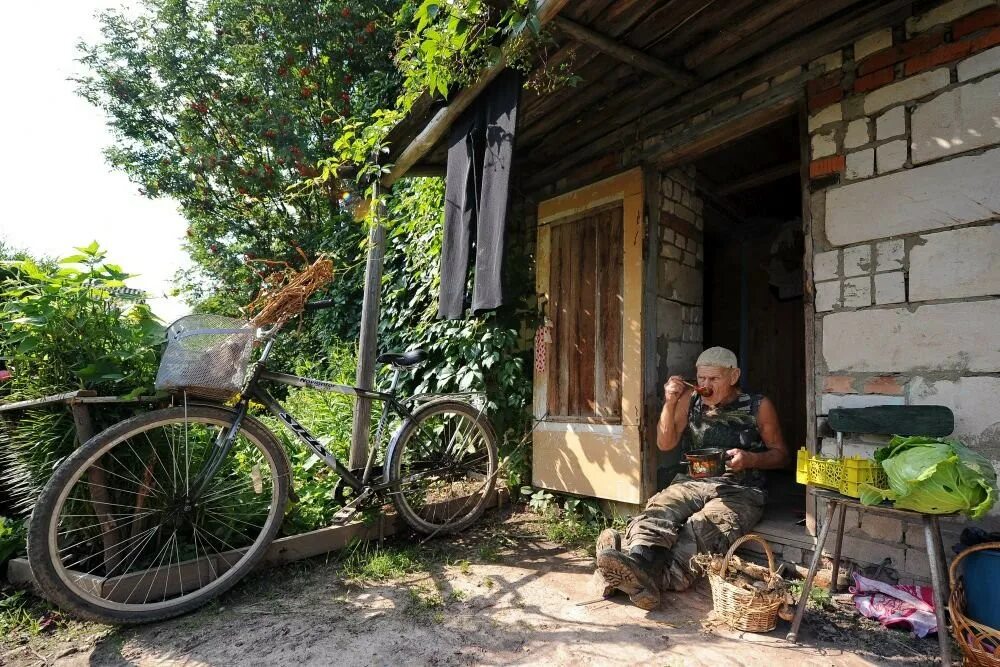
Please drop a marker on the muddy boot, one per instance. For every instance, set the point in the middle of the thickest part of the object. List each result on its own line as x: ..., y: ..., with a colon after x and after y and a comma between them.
x: 631, y: 576
x: 608, y: 539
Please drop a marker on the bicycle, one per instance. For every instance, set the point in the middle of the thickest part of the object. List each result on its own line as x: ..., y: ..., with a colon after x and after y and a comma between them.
x: 165, y: 511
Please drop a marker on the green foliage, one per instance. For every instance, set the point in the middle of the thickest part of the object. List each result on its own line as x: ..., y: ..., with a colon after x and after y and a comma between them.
x: 448, y: 43
x: 483, y: 354
x: 568, y: 520
x: 370, y: 561
x: 819, y: 598
x: 222, y: 105
x: 65, y: 328
x: 13, y: 534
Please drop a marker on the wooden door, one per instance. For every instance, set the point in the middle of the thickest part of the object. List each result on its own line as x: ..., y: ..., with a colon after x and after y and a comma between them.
x: 588, y: 394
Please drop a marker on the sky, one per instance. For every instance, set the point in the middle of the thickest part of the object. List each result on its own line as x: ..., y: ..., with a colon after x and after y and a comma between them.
x: 57, y: 189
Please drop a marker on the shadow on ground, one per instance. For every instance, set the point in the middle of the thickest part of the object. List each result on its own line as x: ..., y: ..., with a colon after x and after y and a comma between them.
x: 499, y: 595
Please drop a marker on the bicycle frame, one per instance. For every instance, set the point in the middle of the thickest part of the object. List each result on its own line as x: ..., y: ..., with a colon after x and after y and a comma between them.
x: 254, y: 391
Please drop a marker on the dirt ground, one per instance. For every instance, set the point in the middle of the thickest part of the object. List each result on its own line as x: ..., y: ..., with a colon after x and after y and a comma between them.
x: 498, y: 595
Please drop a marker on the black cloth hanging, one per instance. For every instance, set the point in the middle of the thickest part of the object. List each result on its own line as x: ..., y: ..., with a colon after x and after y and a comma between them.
x: 477, y: 189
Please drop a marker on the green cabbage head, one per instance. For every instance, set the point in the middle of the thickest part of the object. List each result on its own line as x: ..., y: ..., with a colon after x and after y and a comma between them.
x: 934, y: 476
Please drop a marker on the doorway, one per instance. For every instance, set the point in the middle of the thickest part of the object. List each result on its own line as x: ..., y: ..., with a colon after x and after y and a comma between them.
x: 753, y: 284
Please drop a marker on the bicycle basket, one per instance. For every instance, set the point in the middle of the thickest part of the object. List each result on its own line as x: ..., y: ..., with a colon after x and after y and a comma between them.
x: 206, y: 355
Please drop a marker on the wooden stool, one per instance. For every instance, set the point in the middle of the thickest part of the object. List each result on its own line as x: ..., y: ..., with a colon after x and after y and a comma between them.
x: 838, y: 503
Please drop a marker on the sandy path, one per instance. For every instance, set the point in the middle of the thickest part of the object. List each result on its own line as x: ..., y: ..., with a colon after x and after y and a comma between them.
x: 522, y: 609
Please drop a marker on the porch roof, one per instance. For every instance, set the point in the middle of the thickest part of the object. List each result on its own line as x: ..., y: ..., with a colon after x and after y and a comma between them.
x: 647, y: 65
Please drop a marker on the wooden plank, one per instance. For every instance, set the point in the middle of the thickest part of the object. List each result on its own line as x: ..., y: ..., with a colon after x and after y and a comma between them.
x: 735, y: 33
x: 651, y: 379
x: 623, y: 16
x: 566, y: 105
x: 573, y: 317
x: 931, y: 420
x: 556, y: 351
x: 601, y: 407
x: 614, y: 307
x: 775, y: 33
x: 670, y: 43
x: 666, y: 20
x: 38, y: 402
x: 626, y: 54
x: 564, y: 335
x: 587, y: 316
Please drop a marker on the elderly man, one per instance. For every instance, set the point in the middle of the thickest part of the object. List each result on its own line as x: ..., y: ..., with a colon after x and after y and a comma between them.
x: 703, y: 515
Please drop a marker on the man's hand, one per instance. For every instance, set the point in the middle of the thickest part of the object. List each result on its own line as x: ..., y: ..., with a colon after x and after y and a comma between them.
x: 740, y: 459
x: 674, y: 389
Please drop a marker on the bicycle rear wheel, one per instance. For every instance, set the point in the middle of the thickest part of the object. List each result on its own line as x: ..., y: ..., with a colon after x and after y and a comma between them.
x: 120, y: 533
x: 443, y: 467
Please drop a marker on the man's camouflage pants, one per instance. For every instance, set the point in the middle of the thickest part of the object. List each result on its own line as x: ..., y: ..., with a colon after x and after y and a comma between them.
x: 694, y: 516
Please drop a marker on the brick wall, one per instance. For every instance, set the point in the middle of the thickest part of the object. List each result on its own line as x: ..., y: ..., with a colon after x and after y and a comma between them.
x: 905, y: 180
x: 680, y: 282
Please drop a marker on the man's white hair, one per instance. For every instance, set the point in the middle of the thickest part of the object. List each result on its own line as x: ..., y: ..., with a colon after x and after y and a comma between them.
x: 718, y: 357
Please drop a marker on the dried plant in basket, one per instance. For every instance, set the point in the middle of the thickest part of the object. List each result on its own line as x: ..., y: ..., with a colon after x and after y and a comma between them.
x: 745, y: 595
x: 285, y: 292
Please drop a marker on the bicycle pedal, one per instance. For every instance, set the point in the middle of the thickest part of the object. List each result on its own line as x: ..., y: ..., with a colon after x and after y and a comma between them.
x: 345, y: 513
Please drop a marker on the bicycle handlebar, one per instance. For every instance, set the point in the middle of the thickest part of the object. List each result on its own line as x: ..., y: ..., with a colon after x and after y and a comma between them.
x: 319, y: 305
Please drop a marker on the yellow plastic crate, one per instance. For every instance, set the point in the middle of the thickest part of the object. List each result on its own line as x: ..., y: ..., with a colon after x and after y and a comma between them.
x: 843, y: 475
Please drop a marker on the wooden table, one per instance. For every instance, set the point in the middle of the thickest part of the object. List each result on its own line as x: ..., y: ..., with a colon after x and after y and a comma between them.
x: 935, y: 554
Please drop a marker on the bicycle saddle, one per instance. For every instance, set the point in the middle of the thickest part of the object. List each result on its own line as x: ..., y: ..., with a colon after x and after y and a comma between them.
x: 403, y: 360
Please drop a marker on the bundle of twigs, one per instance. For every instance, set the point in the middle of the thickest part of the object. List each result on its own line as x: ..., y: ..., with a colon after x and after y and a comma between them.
x: 285, y: 292
x: 744, y: 574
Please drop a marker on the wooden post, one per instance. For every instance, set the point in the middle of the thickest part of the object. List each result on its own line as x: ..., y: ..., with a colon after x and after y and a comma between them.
x: 368, y: 344
x: 808, y: 308
x: 98, y: 483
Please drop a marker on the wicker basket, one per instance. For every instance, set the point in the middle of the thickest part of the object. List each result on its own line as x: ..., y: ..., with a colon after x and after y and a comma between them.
x: 742, y: 609
x: 975, y: 639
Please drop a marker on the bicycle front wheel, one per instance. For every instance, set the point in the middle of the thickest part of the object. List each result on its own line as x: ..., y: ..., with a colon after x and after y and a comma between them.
x: 123, y: 534
x: 443, y: 467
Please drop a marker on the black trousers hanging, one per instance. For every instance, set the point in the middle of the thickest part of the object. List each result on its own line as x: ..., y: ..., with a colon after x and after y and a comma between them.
x: 477, y: 189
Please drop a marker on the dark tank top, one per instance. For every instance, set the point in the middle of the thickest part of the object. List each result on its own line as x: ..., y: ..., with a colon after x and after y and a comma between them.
x: 729, y: 426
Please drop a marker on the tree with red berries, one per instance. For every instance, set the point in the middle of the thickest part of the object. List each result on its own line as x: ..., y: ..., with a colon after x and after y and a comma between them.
x: 224, y: 105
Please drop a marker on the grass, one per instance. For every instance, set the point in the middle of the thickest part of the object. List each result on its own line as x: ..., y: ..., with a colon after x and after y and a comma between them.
x: 572, y: 533
x: 367, y: 561
x: 819, y: 598
x: 23, y: 616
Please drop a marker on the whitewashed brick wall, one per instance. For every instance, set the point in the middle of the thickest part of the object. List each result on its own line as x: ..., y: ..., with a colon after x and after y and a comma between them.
x: 906, y: 201
x: 680, y: 281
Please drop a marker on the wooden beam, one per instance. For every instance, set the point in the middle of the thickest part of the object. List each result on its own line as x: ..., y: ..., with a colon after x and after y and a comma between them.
x: 732, y: 35
x: 640, y: 115
x: 627, y: 54
x: 796, y: 22
x: 760, y: 178
x: 443, y: 119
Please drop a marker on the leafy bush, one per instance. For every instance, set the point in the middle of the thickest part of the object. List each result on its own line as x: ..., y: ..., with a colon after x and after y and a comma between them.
x: 64, y: 327
x: 485, y: 354
x: 12, y: 538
